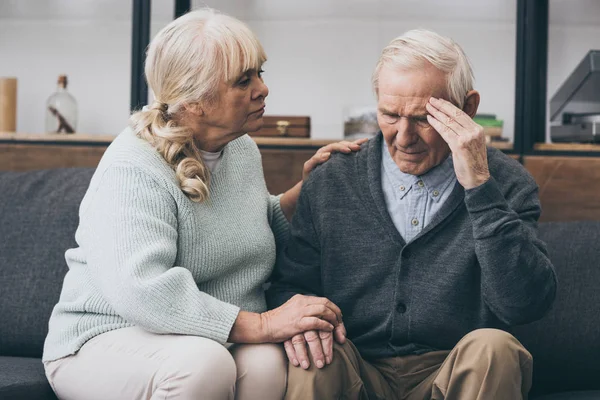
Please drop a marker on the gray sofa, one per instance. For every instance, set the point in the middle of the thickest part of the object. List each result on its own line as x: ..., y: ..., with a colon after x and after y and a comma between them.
x: 38, y: 218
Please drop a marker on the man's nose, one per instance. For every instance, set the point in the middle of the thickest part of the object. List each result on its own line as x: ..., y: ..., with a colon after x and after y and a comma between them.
x: 406, y: 135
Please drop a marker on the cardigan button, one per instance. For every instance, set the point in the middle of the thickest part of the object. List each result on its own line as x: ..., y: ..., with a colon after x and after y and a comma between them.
x: 401, y: 308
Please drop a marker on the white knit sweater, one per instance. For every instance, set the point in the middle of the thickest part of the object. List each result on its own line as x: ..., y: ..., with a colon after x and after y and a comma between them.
x: 148, y: 256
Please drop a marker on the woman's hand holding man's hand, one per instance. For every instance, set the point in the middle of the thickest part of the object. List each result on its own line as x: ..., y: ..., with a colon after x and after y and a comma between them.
x: 299, y: 314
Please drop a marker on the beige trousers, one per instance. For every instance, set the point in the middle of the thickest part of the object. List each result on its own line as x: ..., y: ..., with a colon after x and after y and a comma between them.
x: 133, y: 364
x: 487, y: 364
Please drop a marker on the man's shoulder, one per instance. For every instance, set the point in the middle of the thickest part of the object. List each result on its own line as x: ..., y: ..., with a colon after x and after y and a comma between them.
x: 506, y: 170
x: 340, y: 166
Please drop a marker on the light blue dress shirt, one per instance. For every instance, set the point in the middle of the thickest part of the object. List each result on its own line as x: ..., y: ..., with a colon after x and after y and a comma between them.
x: 411, y: 200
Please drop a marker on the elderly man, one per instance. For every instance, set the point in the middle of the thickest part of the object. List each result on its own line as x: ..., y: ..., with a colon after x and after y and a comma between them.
x: 427, y: 241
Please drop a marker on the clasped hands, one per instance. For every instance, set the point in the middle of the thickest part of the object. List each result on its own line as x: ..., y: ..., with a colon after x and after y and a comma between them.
x: 306, y: 323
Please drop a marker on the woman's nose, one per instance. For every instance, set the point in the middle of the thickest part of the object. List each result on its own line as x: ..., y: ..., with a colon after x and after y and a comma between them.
x: 261, y: 91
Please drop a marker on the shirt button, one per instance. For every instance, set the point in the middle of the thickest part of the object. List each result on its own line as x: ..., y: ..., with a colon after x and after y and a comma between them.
x: 401, y: 308
x: 415, y: 222
x: 420, y: 183
x: 402, y: 188
x: 436, y: 193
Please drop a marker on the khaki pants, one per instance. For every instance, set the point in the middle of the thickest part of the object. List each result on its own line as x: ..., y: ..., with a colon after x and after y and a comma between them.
x: 487, y: 364
x: 133, y: 364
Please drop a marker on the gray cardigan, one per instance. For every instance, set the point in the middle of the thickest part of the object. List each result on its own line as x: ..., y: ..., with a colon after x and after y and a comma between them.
x: 479, y: 263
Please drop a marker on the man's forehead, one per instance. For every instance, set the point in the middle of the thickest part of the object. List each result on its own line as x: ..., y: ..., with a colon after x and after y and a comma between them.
x: 413, y: 105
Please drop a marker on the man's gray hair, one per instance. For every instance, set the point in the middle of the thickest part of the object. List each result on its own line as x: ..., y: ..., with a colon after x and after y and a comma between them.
x: 417, y: 46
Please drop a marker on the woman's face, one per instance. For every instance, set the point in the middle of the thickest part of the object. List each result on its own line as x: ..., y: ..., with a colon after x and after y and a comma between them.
x: 238, y: 110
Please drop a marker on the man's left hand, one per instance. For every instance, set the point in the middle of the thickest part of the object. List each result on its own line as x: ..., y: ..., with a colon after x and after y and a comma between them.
x: 466, y: 141
x: 319, y: 343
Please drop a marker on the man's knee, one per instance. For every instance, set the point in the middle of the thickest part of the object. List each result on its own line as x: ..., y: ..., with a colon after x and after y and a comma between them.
x: 497, y: 345
x: 343, y: 361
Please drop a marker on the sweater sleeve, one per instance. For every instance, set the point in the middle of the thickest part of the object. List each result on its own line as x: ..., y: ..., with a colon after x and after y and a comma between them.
x: 298, y: 267
x: 518, y: 281
x: 130, y: 239
x: 279, y: 223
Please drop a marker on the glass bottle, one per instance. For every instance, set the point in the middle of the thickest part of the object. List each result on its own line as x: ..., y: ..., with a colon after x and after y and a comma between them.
x: 61, y: 110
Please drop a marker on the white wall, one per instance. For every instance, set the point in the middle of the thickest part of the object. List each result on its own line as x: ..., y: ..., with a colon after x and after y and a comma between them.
x: 321, y: 52
x: 89, y: 40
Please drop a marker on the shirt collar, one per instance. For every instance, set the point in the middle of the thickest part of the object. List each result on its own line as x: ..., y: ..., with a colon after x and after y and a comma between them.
x: 437, y: 180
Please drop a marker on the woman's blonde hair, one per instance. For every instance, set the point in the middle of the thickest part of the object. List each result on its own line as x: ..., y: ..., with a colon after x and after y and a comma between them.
x: 417, y: 46
x: 185, y: 63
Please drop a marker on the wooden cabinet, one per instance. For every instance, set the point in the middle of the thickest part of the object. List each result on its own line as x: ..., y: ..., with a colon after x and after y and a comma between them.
x: 283, y: 158
x: 569, y: 186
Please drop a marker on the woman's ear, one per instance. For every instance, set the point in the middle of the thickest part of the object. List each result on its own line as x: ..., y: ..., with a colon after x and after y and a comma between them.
x: 471, y: 103
x: 194, y: 108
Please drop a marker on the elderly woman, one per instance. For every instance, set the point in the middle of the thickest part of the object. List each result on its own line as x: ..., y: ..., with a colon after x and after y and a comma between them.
x: 164, y: 295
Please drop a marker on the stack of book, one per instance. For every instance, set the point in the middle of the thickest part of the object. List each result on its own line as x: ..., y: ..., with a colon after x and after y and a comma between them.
x: 492, y: 127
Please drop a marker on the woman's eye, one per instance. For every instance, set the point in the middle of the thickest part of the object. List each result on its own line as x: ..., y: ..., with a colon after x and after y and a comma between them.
x: 260, y: 73
x: 244, y: 82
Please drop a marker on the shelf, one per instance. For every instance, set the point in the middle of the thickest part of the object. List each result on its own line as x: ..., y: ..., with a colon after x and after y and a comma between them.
x: 81, y: 138
x: 56, y: 138
x: 567, y: 147
x: 99, y: 140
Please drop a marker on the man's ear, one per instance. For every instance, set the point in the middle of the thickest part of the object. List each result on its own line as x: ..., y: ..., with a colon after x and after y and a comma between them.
x: 471, y: 103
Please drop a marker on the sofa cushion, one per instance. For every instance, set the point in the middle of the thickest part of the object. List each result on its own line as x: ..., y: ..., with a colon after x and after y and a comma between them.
x: 583, y: 395
x: 38, y: 219
x: 565, y: 344
x: 24, y: 379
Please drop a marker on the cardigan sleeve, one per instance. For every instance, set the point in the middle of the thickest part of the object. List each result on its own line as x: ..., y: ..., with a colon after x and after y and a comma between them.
x: 129, y: 235
x: 518, y: 282
x: 279, y: 223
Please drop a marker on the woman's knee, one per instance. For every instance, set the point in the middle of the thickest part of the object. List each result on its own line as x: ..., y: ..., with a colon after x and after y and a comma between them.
x: 260, y: 361
x: 261, y: 371
x: 202, y: 368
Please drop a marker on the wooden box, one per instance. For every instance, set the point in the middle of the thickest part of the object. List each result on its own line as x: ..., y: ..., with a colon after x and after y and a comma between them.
x: 284, y: 126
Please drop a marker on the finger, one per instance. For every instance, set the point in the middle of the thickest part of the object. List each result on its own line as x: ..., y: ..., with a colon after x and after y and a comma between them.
x: 349, y: 144
x: 446, y: 133
x: 315, y: 160
x: 444, y: 119
x: 291, y: 352
x: 339, y: 147
x: 339, y: 333
x: 314, y: 323
x: 315, y: 347
x: 331, y: 305
x: 361, y: 141
x: 352, y: 145
x: 327, y: 343
x: 323, y: 312
x: 299, y: 344
x: 451, y: 111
